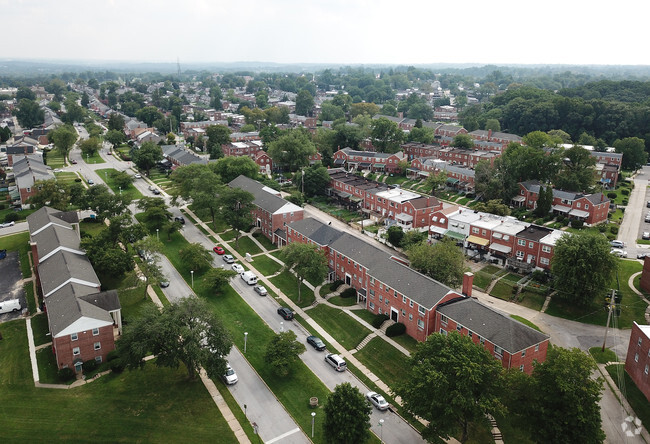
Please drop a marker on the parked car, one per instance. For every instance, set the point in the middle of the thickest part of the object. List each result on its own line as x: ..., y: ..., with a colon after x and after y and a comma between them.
x: 617, y: 244
x: 151, y: 188
x: 91, y: 182
x: 618, y: 252
x: 180, y: 219
x: 647, y: 217
x: 238, y: 268
x: 646, y: 235
x: 377, y: 400
x: 336, y: 361
x: 164, y: 284
x: 7, y: 224
x: 156, y: 191
x: 642, y: 255
x: 286, y: 313
x: 249, y: 277
x: 230, y: 377
x: 74, y: 162
x: 316, y: 342
x: 217, y: 249
x: 137, y: 176
x: 228, y: 259
x: 647, y: 204
x: 260, y: 290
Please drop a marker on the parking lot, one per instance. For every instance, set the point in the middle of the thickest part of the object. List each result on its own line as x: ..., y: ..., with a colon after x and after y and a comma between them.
x: 11, y: 284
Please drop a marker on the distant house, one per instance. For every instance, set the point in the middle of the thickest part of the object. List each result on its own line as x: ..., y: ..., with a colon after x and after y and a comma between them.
x: 637, y: 361
x: 496, y: 137
x: 28, y: 171
x: 179, y: 156
x: 83, y: 321
x: 272, y: 213
x: 21, y: 147
x: 365, y: 160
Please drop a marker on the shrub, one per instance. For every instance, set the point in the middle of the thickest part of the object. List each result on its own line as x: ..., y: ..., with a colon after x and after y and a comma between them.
x: 112, y: 355
x: 117, y: 366
x: 77, y: 180
x: 540, y: 276
x: 336, y: 284
x: 89, y: 365
x: 540, y: 221
x: 560, y: 218
x: 625, y: 202
x: 65, y: 374
x: 379, y: 319
x: 625, y: 192
x: 602, y: 228
x: 396, y: 330
x: 611, y: 195
x: 613, y: 229
x: 349, y: 293
x: 610, y: 236
x: 577, y: 223
x: 11, y: 217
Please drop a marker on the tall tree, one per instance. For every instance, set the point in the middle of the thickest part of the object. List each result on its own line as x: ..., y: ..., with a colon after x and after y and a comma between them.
x: 347, y: 416
x: 29, y: 114
x: 316, y: 178
x: 435, y: 180
x: 544, y: 201
x: 386, y: 135
x: 634, y: 153
x: 63, y: 138
x: 307, y: 261
x: 236, y: 206
x: 186, y: 332
x: 217, y: 135
x: 149, y: 249
x: 463, y: 141
x: 103, y: 202
x: 579, y: 255
x: 200, y: 185
x: 443, y: 261
x: 231, y: 167
x: 564, y: 398
x: 451, y: 382
x: 282, y: 352
x: 114, y: 137
x: 304, y: 103
x: 52, y: 193
x: 147, y: 156
x: 148, y: 114
x: 292, y: 150
x: 217, y: 278
x: 578, y: 171
x: 89, y: 146
x: 195, y: 256
x: 116, y: 122
x: 493, y: 206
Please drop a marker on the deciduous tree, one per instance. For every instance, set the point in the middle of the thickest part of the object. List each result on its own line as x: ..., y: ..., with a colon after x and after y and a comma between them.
x: 218, y: 278
x: 147, y: 156
x: 347, y: 416
x: 634, y: 153
x: 29, y: 114
x: 63, y: 138
x: 307, y: 261
x: 282, y: 352
x: 236, y: 205
x: 195, y: 256
x: 217, y: 135
x: 200, y: 185
x: 583, y: 267
x: 451, y: 382
x: 463, y: 141
x: 304, y: 103
x: 116, y: 122
x: 230, y: 167
x: 292, y: 150
x: 577, y: 173
x: 386, y: 135
x: 443, y: 261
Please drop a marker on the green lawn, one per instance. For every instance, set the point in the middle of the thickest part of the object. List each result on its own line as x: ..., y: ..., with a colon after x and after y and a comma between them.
x: 246, y: 245
x: 54, y: 159
x: 131, y: 192
x: 137, y: 406
x: 288, y: 284
x: 525, y: 322
x: 40, y: 329
x: 133, y: 302
x: 384, y: 360
x: 531, y: 299
x: 228, y: 236
x: 47, y: 369
x: 342, y: 302
x: 514, y: 429
x: 266, y: 243
x: 632, y: 306
x: 29, y: 296
x: 66, y: 177
x: 634, y: 396
x: 265, y: 265
x: 503, y: 290
x: 348, y: 332
x: 365, y: 315
x: 94, y: 159
x: 407, y: 342
x: 603, y: 357
x: 91, y: 228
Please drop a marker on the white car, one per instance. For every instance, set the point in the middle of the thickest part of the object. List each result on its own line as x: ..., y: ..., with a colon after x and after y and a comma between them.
x: 377, y: 400
x: 137, y: 176
x: 230, y: 377
x: 260, y: 290
x: 618, y: 252
x: 238, y: 268
x: 7, y: 224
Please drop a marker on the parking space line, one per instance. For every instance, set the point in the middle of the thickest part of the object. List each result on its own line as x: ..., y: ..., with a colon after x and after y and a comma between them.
x: 284, y: 435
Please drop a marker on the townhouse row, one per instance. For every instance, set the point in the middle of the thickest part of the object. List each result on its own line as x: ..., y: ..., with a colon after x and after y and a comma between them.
x: 423, y: 305
x: 83, y: 320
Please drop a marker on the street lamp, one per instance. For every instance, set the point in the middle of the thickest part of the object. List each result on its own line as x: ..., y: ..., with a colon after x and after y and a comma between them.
x: 245, y: 340
x: 313, y: 416
x: 120, y: 190
x: 192, y: 273
x: 157, y: 230
x: 281, y: 326
x: 381, y: 433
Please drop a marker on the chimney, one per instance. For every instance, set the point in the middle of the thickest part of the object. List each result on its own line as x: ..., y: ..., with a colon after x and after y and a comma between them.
x: 468, y: 281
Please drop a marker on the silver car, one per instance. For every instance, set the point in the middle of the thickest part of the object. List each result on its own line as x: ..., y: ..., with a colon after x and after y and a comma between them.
x: 230, y: 377
x: 377, y: 400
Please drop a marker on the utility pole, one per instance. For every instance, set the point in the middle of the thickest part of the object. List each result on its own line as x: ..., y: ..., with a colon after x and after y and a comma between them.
x: 609, y: 316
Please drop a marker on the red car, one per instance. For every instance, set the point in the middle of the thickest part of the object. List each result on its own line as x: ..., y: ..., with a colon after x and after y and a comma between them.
x: 219, y: 250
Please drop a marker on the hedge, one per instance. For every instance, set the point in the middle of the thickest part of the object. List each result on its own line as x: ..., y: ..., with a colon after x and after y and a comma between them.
x: 396, y: 330
x: 379, y: 319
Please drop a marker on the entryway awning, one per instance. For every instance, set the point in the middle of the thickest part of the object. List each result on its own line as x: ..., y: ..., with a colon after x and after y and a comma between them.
x: 518, y: 199
x: 478, y: 241
x: 452, y: 181
x: 379, y: 165
x: 561, y: 208
x: 501, y: 248
x: 455, y: 235
x: 579, y: 213
x: 437, y: 230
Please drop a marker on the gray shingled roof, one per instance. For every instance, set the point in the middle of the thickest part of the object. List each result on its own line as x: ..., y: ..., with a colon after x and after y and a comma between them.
x: 53, y: 237
x: 534, y: 232
x: 496, y: 327
x: 45, y: 215
x: 106, y: 300
x: 316, y: 230
x: 66, y: 306
x: 63, y: 266
x: 263, y: 199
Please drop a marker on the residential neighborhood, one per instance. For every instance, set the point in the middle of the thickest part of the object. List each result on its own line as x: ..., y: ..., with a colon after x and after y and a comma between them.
x: 251, y: 248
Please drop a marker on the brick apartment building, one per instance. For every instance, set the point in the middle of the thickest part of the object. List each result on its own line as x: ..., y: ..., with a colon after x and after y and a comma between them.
x: 366, y: 160
x: 637, y: 362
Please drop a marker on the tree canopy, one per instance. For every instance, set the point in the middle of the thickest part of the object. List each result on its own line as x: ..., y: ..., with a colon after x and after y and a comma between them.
x: 443, y: 261
x: 230, y: 167
x: 282, y: 352
x: 307, y: 261
x: 386, y: 135
x: 236, y: 205
x: 347, y: 416
x: 186, y: 332
x: 63, y: 138
x: 634, y: 153
x: 147, y: 156
x: 292, y: 150
x: 451, y: 382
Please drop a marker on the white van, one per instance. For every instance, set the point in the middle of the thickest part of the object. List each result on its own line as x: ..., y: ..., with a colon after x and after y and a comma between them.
x: 249, y: 277
x: 10, y: 305
x: 336, y: 361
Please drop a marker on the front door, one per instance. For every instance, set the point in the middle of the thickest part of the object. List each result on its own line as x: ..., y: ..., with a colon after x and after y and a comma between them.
x: 394, y: 314
x: 348, y: 279
x: 78, y: 367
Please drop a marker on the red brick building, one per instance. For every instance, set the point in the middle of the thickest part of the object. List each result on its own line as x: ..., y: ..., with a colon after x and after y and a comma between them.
x: 83, y: 321
x: 272, y: 213
x: 366, y: 160
x: 637, y: 362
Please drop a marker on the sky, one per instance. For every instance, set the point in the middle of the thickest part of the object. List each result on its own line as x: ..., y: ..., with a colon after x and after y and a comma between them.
x: 393, y: 32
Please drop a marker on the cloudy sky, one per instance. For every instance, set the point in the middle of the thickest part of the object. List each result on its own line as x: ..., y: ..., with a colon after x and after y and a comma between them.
x: 332, y: 31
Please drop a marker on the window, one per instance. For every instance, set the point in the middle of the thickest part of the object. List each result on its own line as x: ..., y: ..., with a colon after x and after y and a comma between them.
x: 372, y: 293
x: 74, y: 337
x: 442, y: 220
x: 537, y: 348
x: 411, y: 304
x: 544, y: 260
x: 483, y: 232
x: 443, y: 319
x: 421, y: 310
x: 578, y: 205
x: 410, y: 316
x: 443, y: 332
x: 520, y: 255
x: 459, y: 327
x: 531, y: 244
x: 98, y: 359
x: 380, y: 298
x: 470, y: 333
x: 435, y: 219
x: 372, y: 281
x: 523, y: 354
x: 497, y: 235
x: 482, y: 340
x: 521, y: 368
x: 403, y: 312
x: 586, y: 206
x: 386, y: 301
x: 506, y: 237
x: 474, y: 230
x: 636, y: 357
x: 371, y: 305
x: 98, y: 345
x: 95, y: 331
x: 646, y: 369
x: 420, y: 324
x: 639, y: 342
x: 498, y: 351
x: 521, y: 242
x: 404, y: 299
x: 75, y: 351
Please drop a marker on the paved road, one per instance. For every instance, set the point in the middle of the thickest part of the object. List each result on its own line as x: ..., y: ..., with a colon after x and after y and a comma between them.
x: 633, y: 223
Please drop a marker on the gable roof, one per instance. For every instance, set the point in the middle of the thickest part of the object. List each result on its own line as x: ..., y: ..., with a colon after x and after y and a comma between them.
x: 46, y: 216
x: 262, y: 198
x: 55, y: 238
x: 316, y: 230
x: 68, y: 313
x: 496, y: 327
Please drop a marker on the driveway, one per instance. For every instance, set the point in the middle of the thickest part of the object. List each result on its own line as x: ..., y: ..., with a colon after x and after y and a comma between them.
x: 11, y: 284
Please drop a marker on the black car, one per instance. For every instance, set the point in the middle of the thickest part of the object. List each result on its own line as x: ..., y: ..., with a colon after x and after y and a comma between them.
x: 316, y: 342
x: 155, y: 191
x: 180, y: 219
x: 286, y: 313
